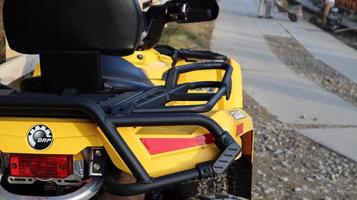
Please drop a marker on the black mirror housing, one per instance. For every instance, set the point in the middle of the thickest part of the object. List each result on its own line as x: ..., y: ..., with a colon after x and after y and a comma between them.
x: 180, y: 11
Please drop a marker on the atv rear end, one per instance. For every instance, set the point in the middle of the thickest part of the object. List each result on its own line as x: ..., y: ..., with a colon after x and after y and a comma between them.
x: 70, y: 130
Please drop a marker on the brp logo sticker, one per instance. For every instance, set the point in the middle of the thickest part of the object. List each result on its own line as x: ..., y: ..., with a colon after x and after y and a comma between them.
x: 40, y: 137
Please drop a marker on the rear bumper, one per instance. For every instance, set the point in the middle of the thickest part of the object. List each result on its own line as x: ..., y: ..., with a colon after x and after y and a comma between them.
x: 87, y: 191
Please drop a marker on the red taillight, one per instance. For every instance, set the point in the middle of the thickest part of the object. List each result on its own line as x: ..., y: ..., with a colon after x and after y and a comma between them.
x: 41, y: 166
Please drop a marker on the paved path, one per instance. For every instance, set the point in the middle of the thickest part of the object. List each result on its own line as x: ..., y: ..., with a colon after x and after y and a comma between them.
x: 343, y: 142
x: 17, y: 67
x: 325, y: 47
x: 271, y: 83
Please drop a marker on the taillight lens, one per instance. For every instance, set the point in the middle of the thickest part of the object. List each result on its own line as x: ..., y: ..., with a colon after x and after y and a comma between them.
x: 41, y: 166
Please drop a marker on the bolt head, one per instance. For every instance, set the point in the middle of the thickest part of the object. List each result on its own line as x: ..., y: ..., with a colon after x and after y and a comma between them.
x: 98, y: 153
x: 140, y: 56
x: 96, y: 166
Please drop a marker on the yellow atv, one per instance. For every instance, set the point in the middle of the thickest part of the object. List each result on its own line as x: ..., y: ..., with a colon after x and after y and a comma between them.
x: 105, y: 101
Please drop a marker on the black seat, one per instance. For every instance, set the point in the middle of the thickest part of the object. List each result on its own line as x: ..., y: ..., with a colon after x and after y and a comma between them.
x: 71, y: 37
x: 117, y: 73
x: 121, y: 74
x: 108, y: 26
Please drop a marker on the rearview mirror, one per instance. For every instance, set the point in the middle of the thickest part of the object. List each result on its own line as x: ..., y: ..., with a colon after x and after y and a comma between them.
x: 188, y: 11
x: 185, y: 11
x: 180, y: 11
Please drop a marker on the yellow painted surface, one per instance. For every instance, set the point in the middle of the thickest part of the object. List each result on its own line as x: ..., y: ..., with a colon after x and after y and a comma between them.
x: 71, y: 136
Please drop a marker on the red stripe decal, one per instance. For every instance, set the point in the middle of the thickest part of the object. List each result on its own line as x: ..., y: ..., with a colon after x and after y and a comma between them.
x: 240, y: 129
x: 162, y: 145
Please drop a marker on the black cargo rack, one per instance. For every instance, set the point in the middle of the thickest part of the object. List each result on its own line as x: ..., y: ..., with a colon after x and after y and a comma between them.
x: 141, y: 108
x: 154, y: 100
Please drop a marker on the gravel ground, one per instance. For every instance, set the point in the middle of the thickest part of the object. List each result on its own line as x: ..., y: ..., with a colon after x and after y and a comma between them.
x: 291, y: 166
x: 294, y: 55
x: 287, y: 165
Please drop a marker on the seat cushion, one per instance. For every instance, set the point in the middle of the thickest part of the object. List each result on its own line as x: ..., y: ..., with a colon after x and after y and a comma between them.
x: 107, y: 26
x: 121, y: 74
x: 117, y: 73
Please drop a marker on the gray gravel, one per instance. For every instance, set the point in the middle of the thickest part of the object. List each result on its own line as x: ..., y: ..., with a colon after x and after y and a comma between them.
x: 287, y: 165
x: 294, y: 55
x: 195, y: 189
x: 291, y: 166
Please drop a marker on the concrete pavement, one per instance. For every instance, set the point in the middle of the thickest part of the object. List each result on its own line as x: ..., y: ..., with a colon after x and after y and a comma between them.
x: 325, y: 47
x: 17, y: 67
x: 272, y: 84
x: 343, y: 142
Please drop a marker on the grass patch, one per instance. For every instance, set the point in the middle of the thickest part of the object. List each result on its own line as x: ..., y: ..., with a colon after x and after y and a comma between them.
x: 193, y: 36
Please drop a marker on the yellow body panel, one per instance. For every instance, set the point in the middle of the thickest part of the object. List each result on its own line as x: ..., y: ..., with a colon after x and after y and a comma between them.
x: 71, y: 136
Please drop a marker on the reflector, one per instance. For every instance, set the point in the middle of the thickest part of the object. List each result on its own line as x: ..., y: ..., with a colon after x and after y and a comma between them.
x: 41, y: 166
x: 163, y: 145
x: 240, y: 130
